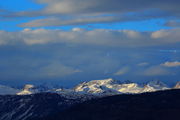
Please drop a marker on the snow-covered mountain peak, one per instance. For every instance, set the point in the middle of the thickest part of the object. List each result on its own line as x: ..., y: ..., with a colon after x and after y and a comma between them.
x: 101, y: 82
x: 27, y: 90
x: 108, y: 87
x: 129, y: 88
x: 148, y: 88
x: 158, y: 85
x: 28, y: 86
x: 103, y: 87
x: 130, y: 85
x: 96, y: 86
x: 177, y: 86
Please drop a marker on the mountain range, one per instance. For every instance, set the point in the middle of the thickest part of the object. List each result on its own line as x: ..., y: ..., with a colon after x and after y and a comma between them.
x: 95, y: 87
x: 160, y: 105
x: 106, y: 99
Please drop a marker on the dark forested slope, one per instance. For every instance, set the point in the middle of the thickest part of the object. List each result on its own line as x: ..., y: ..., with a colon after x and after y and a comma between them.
x: 162, y: 105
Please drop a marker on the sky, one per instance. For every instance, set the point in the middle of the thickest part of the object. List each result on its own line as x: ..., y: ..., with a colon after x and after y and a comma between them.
x: 66, y: 42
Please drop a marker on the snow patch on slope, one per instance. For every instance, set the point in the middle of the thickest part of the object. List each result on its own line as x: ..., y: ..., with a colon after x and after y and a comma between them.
x: 28, y: 89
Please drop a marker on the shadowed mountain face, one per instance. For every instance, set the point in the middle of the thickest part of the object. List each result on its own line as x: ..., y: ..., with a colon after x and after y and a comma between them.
x: 162, y: 105
x: 15, y: 107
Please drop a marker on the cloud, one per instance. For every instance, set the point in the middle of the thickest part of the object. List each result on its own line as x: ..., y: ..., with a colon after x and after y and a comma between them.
x: 63, y: 61
x: 173, y: 23
x: 99, y: 37
x: 80, y: 12
x: 27, y: 67
x: 97, y: 6
x: 156, y: 71
x: 85, y: 19
x: 143, y: 64
x: 122, y: 71
x: 55, y: 21
x: 171, y: 64
x: 166, y: 35
x: 56, y: 69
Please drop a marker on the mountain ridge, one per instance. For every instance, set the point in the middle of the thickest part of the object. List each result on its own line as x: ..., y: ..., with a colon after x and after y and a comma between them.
x: 160, y: 105
x: 41, y: 106
x: 103, y: 87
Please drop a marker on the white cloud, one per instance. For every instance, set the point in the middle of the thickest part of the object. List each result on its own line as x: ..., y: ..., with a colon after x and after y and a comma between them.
x: 83, y: 20
x: 171, y: 64
x: 172, y: 34
x: 156, y: 71
x: 56, y: 21
x: 71, y: 12
x: 77, y: 29
x: 101, y: 37
x: 56, y: 69
x: 173, y: 23
x: 122, y: 71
